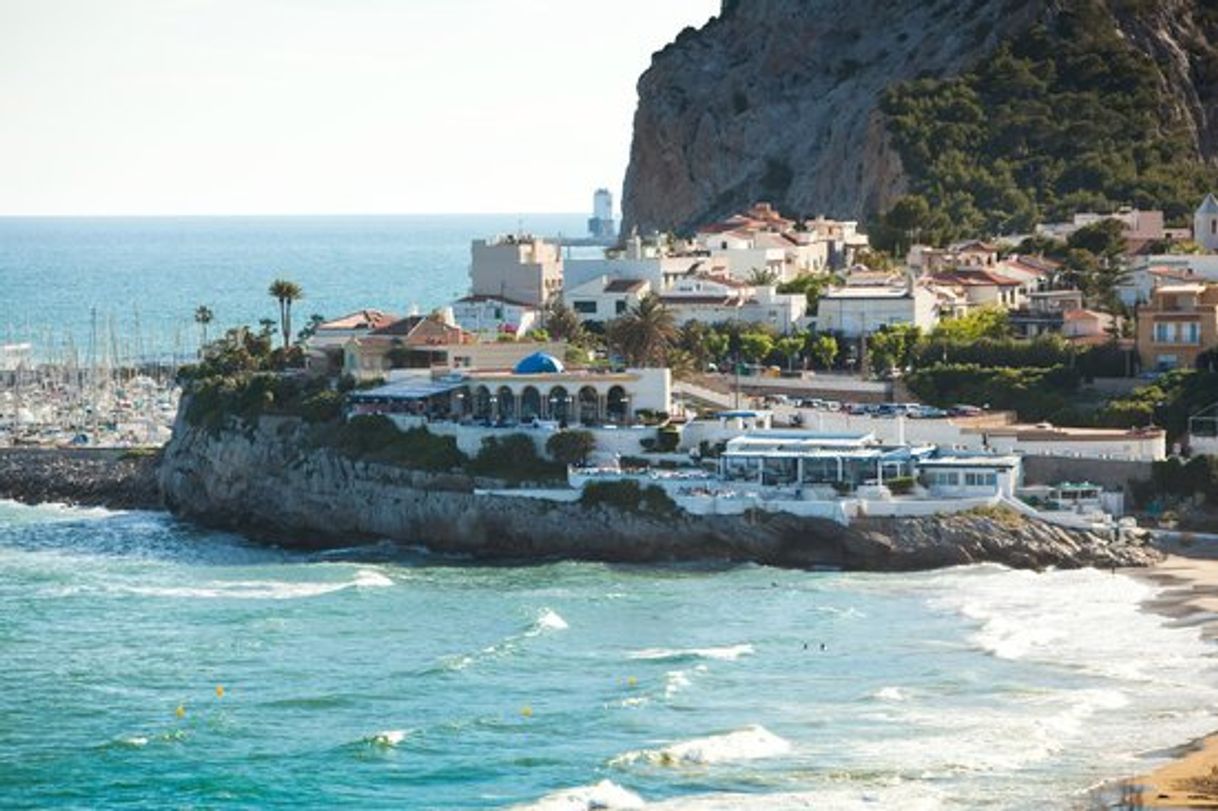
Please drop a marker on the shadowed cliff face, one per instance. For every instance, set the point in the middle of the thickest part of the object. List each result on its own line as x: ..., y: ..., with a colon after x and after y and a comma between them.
x: 778, y: 99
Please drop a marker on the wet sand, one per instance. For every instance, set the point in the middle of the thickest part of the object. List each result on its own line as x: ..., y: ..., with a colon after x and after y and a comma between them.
x: 1190, y: 597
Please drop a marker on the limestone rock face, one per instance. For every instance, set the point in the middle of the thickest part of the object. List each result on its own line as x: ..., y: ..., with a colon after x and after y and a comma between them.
x: 268, y: 480
x: 777, y: 100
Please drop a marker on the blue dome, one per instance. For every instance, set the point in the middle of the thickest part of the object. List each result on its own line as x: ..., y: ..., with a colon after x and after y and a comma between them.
x: 539, y: 363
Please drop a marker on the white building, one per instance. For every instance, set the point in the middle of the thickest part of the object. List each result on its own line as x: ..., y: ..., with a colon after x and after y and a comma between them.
x: 970, y: 476
x: 604, y: 299
x: 716, y: 299
x: 1205, y: 223
x: 859, y: 311
x: 491, y: 316
x: 1159, y: 269
x: 520, y: 268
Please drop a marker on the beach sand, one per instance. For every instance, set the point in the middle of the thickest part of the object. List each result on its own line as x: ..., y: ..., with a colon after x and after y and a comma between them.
x: 1189, y: 596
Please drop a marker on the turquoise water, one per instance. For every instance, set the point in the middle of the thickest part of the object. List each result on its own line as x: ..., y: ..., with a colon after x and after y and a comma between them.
x: 387, y: 678
x: 145, y: 276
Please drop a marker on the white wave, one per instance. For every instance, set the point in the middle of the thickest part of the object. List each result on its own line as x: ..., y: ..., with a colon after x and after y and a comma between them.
x: 674, y: 682
x: 388, y: 738
x: 260, y: 589
x: 547, y: 620
x: 371, y: 579
x: 889, y: 694
x: 727, y: 653
x: 904, y: 796
x: 136, y: 741
x: 603, y: 796
x: 751, y: 743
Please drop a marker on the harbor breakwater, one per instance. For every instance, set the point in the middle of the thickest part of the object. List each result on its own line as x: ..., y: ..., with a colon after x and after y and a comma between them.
x: 117, y: 478
x: 269, y: 480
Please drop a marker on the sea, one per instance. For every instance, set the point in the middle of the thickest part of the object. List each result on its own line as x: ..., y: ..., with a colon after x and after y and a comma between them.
x: 120, y: 289
x: 150, y: 663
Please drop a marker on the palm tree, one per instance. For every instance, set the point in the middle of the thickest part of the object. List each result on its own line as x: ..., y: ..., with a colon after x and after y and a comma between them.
x: 203, y: 317
x: 644, y: 334
x: 285, y: 292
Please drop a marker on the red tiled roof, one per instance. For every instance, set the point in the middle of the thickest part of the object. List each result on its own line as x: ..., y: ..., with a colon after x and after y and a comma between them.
x: 360, y: 319
x: 975, y: 278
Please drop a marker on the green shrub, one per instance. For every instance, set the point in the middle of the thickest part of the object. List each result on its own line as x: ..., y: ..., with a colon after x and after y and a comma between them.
x: 626, y: 494
x: 514, y: 458
x: 900, y: 485
x: 376, y: 438
x: 571, y: 447
x: 667, y: 440
x: 1034, y: 393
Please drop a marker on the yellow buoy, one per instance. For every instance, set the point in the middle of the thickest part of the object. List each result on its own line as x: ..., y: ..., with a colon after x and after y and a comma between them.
x: 632, y: 681
x: 219, y: 691
x: 526, y: 711
x: 180, y: 711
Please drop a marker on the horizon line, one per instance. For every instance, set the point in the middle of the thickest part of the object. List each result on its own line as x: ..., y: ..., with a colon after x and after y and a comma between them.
x: 94, y: 215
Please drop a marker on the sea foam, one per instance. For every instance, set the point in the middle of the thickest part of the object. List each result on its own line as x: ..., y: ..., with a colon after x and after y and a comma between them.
x: 603, y: 796
x: 751, y: 743
x: 727, y: 653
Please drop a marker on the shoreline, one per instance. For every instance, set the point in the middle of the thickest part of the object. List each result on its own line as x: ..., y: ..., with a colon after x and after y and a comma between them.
x: 1188, y: 597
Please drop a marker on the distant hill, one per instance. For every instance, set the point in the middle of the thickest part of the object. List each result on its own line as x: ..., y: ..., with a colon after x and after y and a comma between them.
x: 969, y: 113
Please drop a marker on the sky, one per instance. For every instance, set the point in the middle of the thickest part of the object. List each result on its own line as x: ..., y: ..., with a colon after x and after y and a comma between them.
x: 120, y: 107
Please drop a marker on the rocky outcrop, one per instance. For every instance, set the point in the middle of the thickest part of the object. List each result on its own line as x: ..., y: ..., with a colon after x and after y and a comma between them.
x: 778, y: 100
x: 118, y: 479
x: 269, y: 480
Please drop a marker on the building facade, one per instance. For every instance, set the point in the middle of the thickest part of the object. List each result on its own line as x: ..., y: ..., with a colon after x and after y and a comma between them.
x: 518, y: 268
x: 1178, y: 323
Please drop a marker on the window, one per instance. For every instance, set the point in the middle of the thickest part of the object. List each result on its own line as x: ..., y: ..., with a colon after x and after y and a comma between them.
x: 1163, y: 333
x: 981, y: 479
x: 620, y: 306
x: 1192, y: 333
x: 585, y: 307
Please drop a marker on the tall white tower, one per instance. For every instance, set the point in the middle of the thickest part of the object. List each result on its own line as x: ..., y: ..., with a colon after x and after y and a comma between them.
x: 602, y: 226
x: 1205, y: 224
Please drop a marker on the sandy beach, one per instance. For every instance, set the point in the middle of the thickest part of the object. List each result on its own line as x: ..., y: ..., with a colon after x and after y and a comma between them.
x: 1190, y: 597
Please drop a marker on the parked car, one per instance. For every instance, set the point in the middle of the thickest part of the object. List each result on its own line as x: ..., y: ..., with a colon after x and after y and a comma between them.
x: 962, y: 410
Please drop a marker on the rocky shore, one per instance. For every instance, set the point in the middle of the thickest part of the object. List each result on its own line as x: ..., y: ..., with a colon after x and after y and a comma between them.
x: 114, y: 478
x: 269, y: 481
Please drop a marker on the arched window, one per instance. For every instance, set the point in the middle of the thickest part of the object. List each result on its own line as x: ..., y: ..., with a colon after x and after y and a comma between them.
x: 560, y: 404
x: 617, y: 404
x: 589, y: 406
x: 506, y: 404
x: 482, y: 403
x: 530, y: 403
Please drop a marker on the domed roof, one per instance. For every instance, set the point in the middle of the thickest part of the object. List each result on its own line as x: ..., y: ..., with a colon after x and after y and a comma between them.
x: 539, y: 363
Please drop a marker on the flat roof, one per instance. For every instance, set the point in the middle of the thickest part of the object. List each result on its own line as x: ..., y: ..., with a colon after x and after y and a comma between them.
x: 405, y: 390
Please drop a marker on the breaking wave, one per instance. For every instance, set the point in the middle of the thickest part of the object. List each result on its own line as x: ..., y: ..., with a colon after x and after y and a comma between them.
x: 751, y: 743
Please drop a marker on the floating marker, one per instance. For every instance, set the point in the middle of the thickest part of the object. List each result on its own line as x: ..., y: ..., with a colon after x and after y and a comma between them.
x: 180, y: 711
x: 219, y: 691
x: 632, y: 681
x: 526, y: 711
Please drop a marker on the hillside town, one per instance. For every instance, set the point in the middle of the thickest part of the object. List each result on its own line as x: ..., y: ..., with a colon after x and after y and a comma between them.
x: 765, y: 362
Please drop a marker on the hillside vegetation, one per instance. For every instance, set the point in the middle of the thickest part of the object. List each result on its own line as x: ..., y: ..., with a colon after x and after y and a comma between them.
x: 1066, y: 116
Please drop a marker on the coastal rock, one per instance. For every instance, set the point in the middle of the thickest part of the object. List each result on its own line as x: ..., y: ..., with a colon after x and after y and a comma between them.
x: 114, y: 478
x: 778, y: 100
x: 270, y: 480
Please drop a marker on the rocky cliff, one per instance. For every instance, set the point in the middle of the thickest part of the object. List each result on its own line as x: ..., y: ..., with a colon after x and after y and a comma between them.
x: 779, y: 100
x: 270, y: 480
